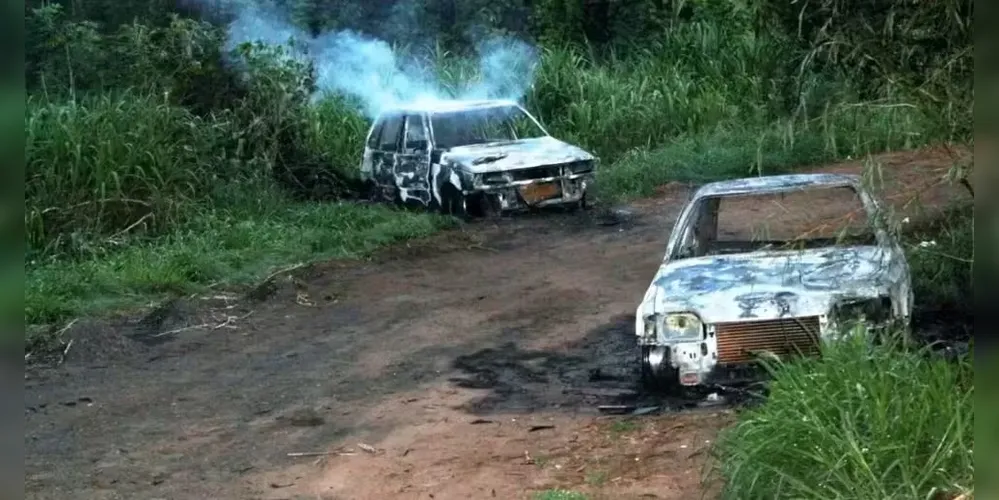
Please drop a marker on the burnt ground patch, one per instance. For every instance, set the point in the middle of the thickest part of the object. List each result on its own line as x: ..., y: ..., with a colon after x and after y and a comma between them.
x: 600, y: 370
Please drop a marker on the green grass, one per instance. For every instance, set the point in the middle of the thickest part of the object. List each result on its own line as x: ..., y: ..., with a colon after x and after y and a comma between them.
x: 940, y: 255
x: 740, y: 150
x: 860, y: 423
x: 620, y: 427
x: 558, y: 494
x: 220, y: 248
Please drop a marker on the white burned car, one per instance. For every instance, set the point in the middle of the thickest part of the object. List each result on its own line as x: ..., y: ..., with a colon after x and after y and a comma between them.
x: 764, y: 267
x: 472, y: 158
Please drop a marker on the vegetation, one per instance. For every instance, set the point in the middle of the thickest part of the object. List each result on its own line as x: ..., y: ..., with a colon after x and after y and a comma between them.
x: 863, y: 422
x: 559, y: 495
x: 139, y: 133
x: 156, y: 165
x: 860, y: 423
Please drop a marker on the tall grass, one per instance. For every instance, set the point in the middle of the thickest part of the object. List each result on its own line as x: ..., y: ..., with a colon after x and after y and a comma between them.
x: 872, y: 422
x: 863, y: 422
x: 104, y: 164
x: 941, y: 254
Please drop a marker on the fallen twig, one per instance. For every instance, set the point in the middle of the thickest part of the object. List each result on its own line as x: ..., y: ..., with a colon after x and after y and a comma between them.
x: 312, y: 453
x: 65, y: 351
x: 229, y: 320
x: 282, y: 271
x: 226, y: 322
x: 367, y: 447
x: 130, y: 227
x: 183, y: 329
x: 616, y: 409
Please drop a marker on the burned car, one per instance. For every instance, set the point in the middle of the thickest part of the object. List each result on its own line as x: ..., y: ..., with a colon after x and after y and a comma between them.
x: 768, y: 267
x: 472, y: 158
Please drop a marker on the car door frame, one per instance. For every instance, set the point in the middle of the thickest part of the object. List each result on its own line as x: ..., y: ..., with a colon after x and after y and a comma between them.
x: 383, y: 157
x: 412, y: 165
x: 371, y: 144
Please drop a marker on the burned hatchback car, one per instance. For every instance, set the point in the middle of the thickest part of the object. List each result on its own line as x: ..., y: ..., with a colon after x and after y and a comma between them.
x: 768, y: 267
x: 472, y: 158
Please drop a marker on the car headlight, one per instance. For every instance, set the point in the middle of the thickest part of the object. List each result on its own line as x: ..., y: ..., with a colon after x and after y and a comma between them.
x: 581, y: 167
x: 683, y: 326
x: 874, y: 311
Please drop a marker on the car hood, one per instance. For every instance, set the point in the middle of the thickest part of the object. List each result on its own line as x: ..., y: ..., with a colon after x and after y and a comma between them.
x: 512, y: 155
x: 761, y: 285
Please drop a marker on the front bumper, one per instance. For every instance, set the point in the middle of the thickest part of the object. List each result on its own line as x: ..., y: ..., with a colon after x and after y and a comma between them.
x: 571, y: 188
x: 730, y: 353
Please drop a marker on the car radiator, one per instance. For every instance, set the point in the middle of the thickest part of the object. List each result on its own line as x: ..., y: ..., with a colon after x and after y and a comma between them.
x: 740, y: 341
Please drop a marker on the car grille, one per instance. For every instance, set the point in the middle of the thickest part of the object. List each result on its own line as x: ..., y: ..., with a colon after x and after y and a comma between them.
x: 785, y: 337
x: 537, y: 173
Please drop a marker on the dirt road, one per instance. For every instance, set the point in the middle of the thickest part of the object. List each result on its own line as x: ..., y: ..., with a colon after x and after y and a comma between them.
x: 468, y: 365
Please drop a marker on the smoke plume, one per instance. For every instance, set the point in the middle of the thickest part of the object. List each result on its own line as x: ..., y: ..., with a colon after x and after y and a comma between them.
x: 368, y: 69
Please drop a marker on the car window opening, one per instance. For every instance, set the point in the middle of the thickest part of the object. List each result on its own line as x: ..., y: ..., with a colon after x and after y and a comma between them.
x: 781, y: 221
x: 482, y: 126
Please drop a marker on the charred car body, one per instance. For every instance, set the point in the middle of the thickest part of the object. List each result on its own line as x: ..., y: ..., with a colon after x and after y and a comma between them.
x: 722, y: 298
x: 472, y: 157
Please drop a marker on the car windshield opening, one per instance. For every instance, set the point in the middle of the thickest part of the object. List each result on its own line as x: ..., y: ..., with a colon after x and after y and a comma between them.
x: 788, y: 220
x: 482, y: 126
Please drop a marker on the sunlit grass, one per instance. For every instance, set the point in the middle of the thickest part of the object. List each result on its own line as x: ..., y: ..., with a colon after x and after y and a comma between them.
x: 863, y: 422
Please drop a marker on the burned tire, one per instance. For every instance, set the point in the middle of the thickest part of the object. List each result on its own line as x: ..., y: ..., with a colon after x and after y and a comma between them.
x: 369, y: 191
x: 453, y: 203
x: 658, y: 376
x: 577, y: 206
x: 480, y: 205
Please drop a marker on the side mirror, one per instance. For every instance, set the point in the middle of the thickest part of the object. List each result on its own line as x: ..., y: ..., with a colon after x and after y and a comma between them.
x: 435, y: 156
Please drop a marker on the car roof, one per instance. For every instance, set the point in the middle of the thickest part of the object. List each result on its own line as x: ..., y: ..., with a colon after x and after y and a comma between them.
x: 446, y: 105
x: 777, y: 183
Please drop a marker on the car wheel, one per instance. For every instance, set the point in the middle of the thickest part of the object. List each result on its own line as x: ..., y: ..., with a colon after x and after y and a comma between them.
x: 481, y: 205
x: 369, y: 191
x: 658, y: 376
x: 454, y: 203
x: 578, y: 205
x: 397, y: 197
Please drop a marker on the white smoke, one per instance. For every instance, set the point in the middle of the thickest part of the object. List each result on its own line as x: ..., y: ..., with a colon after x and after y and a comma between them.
x: 369, y: 70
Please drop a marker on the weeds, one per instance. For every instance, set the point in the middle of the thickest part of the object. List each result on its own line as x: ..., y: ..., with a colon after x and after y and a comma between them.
x: 940, y: 257
x: 620, y: 427
x: 862, y: 422
x: 558, y: 494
